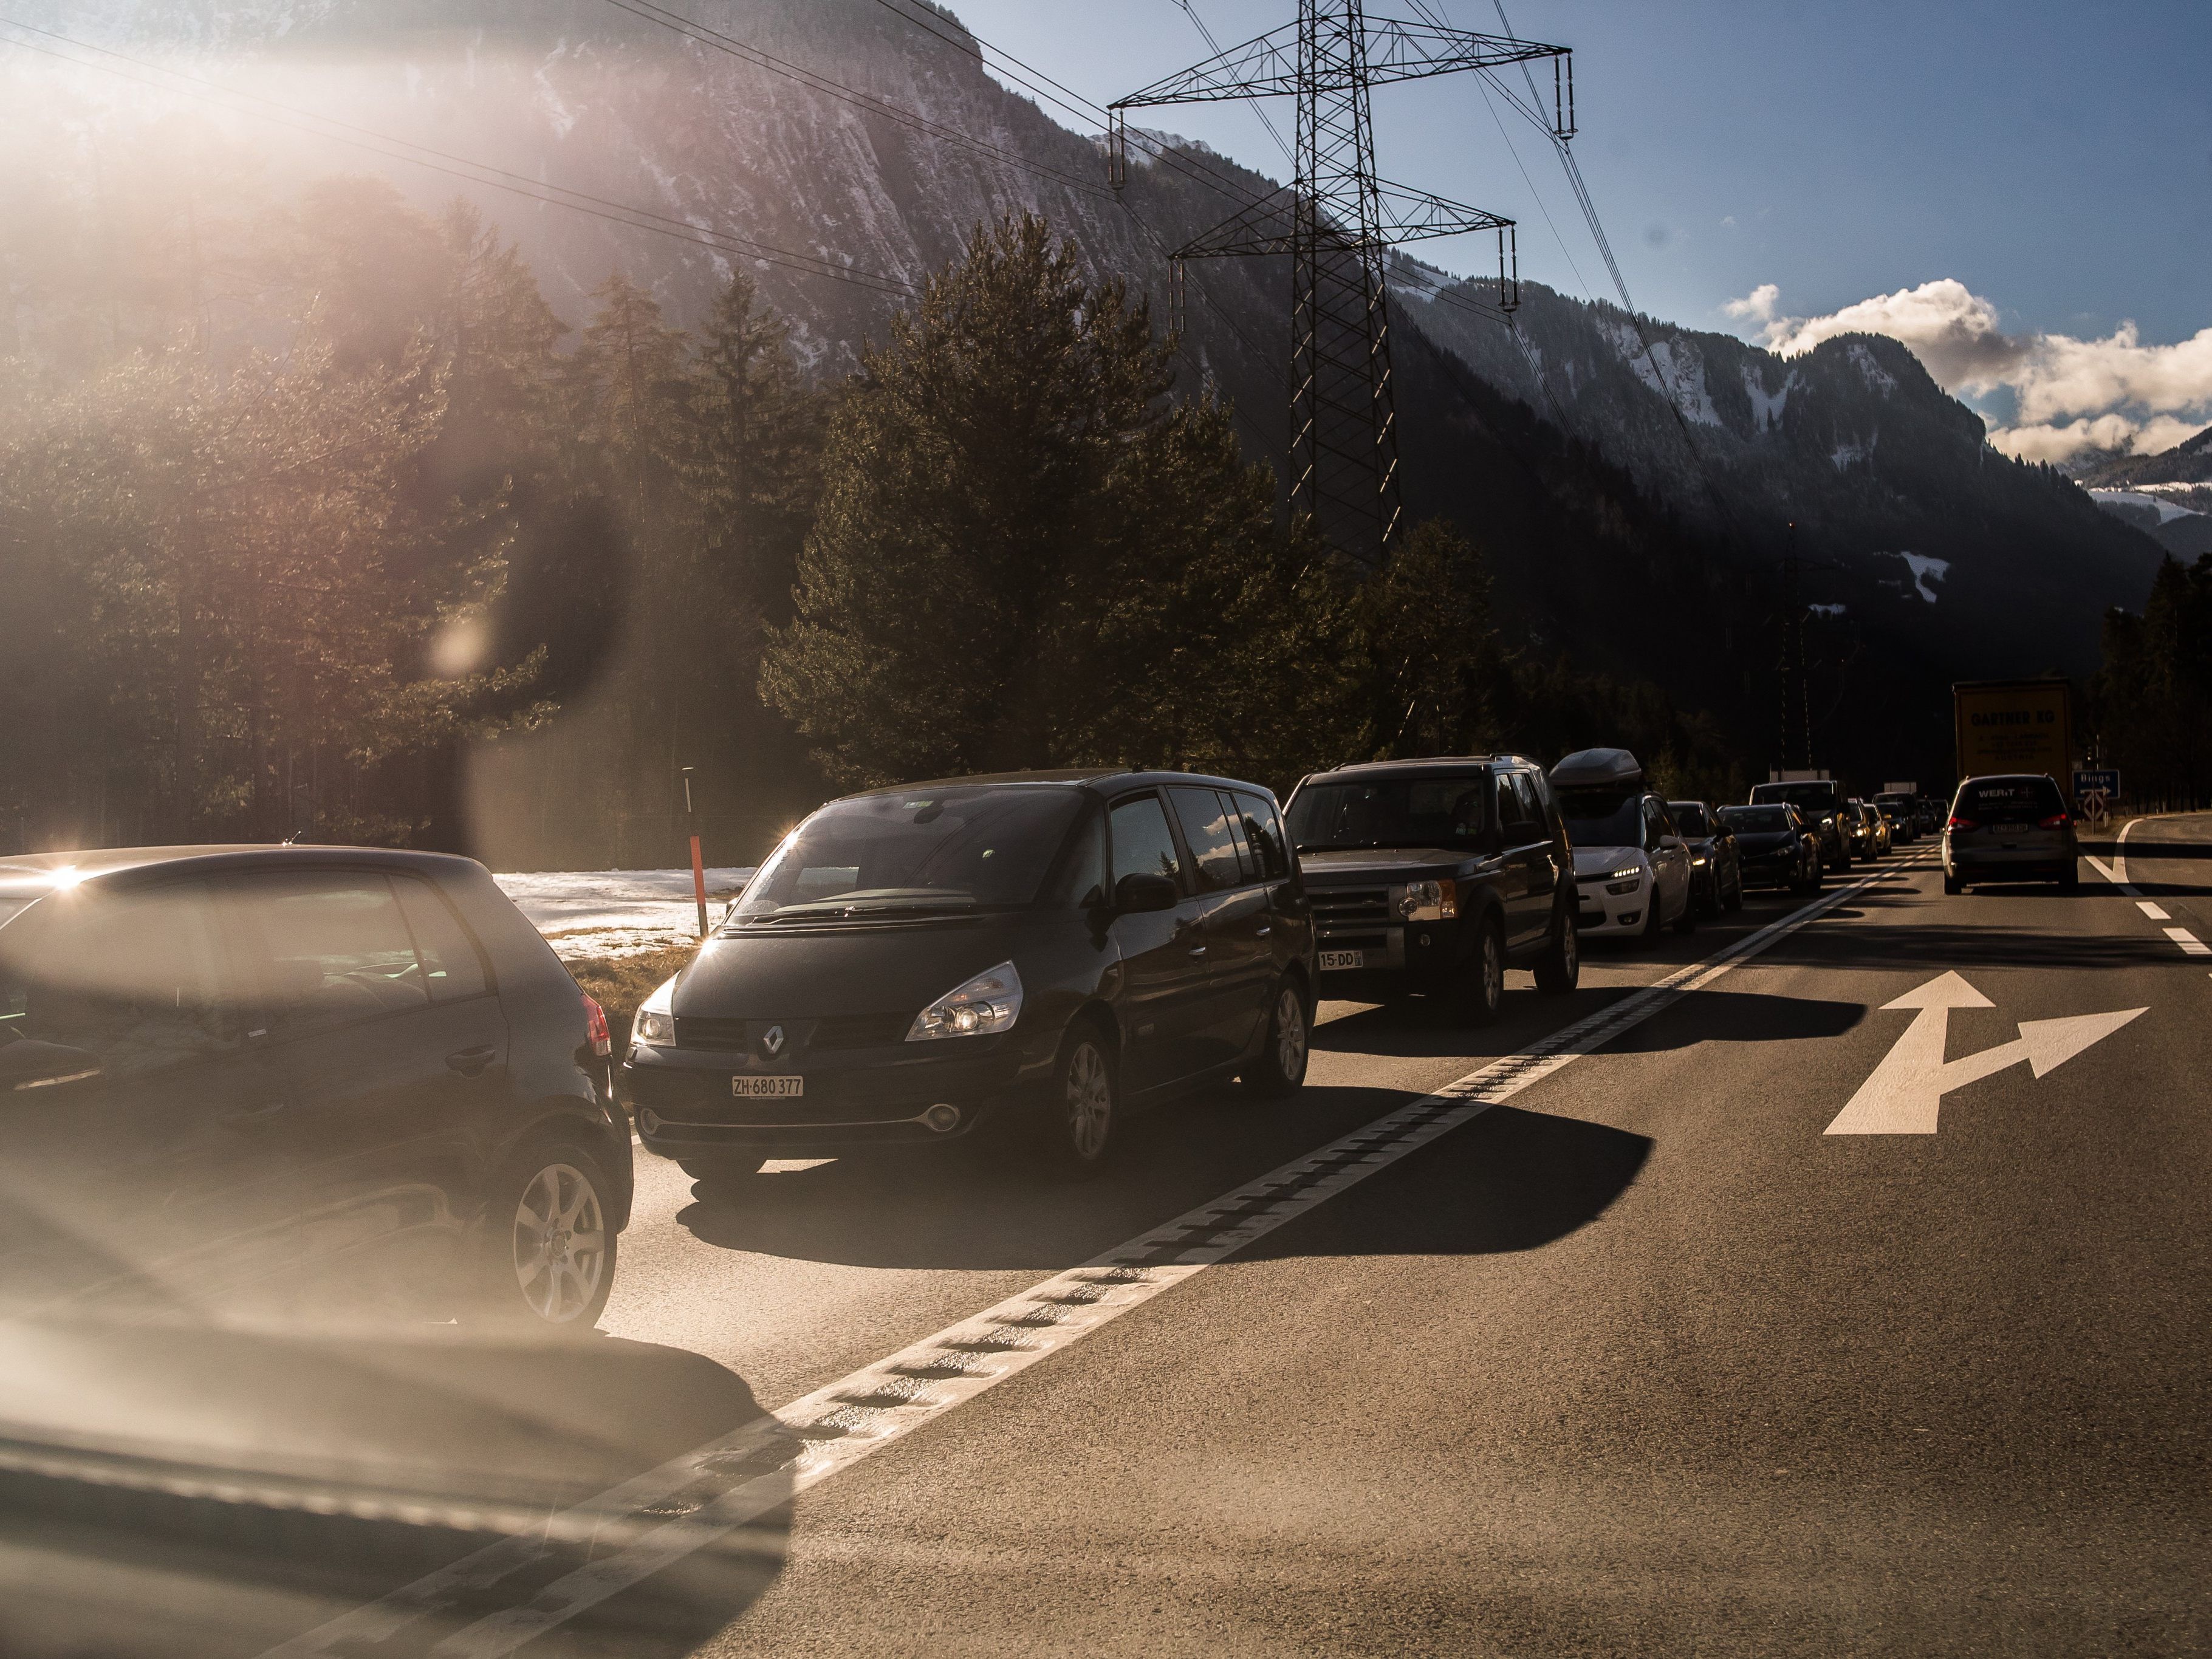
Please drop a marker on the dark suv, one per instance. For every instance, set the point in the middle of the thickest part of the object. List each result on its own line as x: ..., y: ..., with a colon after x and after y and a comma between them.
x: 310, y: 1081
x: 1432, y: 875
x: 1820, y: 803
x: 1040, y: 950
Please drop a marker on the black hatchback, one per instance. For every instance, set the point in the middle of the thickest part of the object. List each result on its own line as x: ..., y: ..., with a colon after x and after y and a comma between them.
x: 316, y: 1084
x: 1040, y: 951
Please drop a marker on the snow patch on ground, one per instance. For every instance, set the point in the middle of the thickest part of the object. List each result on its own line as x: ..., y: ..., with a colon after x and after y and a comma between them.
x: 1925, y: 570
x: 1876, y: 376
x: 2167, y: 511
x: 618, y: 913
x: 1680, y: 373
x: 1767, y: 406
x: 1850, y: 454
x: 1825, y: 610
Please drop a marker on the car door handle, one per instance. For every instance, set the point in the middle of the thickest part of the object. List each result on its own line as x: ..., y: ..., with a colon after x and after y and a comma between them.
x: 1263, y: 930
x: 246, y: 1115
x: 470, y: 1062
x: 1197, y: 950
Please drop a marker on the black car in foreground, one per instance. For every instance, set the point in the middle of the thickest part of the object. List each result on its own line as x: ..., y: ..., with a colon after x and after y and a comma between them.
x: 1432, y: 875
x: 1775, y: 847
x: 319, y: 1084
x: 1716, y: 863
x: 1040, y: 951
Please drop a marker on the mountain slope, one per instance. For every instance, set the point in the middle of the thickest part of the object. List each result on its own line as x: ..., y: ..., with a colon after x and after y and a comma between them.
x: 1641, y: 540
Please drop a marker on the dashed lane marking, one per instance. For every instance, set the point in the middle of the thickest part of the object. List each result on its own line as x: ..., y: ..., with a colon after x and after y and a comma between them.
x: 2190, y: 944
x: 2156, y: 913
x: 715, y: 1490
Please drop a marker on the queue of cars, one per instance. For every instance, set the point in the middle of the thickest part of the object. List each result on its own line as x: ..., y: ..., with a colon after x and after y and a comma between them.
x: 253, y: 1074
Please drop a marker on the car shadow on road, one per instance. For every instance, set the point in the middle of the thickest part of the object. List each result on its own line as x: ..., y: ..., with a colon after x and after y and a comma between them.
x: 1521, y: 1180
x: 1739, y: 1017
x: 1965, y: 944
x: 183, y: 1492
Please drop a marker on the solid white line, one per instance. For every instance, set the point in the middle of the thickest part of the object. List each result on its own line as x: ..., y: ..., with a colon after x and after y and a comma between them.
x: 2120, y: 849
x: 717, y: 1488
x: 2153, y: 911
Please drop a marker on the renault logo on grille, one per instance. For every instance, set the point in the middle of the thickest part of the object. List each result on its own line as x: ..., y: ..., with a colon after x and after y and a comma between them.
x: 772, y: 1041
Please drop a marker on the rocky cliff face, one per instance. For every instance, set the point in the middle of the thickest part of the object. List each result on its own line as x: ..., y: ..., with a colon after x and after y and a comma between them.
x: 840, y: 132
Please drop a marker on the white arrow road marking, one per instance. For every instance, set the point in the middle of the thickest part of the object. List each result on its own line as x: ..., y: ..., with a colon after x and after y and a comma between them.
x: 1902, y: 1095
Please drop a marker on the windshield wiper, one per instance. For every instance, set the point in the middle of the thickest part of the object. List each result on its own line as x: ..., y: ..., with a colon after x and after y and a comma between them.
x: 873, y: 904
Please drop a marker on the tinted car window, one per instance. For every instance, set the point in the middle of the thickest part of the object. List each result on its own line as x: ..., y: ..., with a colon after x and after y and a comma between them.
x: 1142, y: 844
x: 138, y: 980
x: 1690, y: 818
x: 1263, y: 835
x: 1411, y: 812
x: 1755, y: 819
x: 1602, y: 815
x: 451, y: 968
x: 2009, y: 800
x: 1814, y: 798
x: 332, y: 947
x: 1523, y: 819
x: 1205, y: 832
x: 1248, y: 860
x: 1655, y: 822
x: 957, y: 848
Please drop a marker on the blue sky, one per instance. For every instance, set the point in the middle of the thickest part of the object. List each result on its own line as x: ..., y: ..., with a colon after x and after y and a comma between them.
x: 2053, y: 162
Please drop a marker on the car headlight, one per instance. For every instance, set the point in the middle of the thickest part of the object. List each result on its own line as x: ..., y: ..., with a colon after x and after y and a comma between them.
x: 991, y: 1002
x: 1429, y: 900
x: 1628, y: 874
x: 654, y: 1022
x: 1697, y: 861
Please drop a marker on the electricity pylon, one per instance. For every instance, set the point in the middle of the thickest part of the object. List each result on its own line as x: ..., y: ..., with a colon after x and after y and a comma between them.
x: 1336, y: 220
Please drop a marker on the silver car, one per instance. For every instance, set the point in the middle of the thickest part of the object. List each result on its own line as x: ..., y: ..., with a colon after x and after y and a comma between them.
x: 2014, y: 828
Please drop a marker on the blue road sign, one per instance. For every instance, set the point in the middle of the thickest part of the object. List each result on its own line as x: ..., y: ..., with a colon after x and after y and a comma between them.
x: 2106, y: 780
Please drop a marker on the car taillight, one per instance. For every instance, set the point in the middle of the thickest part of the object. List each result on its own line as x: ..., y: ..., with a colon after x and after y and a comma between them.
x: 595, y: 1020
x: 2056, y: 821
x: 1958, y: 822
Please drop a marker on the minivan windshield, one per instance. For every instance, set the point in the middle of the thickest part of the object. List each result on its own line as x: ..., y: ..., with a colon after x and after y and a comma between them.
x: 1603, y: 814
x: 1422, y: 810
x: 927, y: 849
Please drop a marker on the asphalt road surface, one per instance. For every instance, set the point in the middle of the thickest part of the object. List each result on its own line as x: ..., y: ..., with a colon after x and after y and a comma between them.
x: 1599, y: 1342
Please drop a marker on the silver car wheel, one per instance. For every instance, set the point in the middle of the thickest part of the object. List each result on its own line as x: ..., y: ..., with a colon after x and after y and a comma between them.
x: 1090, y: 1102
x: 560, y: 1243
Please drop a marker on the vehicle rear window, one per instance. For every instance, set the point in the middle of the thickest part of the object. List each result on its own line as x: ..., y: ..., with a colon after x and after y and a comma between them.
x: 1424, y: 811
x: 962, y: 847
x: 1603, y: 814
x: 2009, y: 800
x: 1756, y: 819
x: 1815, y: 797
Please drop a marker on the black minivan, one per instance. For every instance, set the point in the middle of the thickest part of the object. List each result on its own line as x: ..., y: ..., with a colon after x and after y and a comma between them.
x: 1043, y: 952
x: 316, y: 1084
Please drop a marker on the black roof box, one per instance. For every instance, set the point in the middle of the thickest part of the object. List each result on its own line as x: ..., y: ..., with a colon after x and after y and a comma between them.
x: 1597, y: 766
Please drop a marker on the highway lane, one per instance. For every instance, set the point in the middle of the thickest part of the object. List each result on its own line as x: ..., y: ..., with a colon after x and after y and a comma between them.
x: 1638, y: 1360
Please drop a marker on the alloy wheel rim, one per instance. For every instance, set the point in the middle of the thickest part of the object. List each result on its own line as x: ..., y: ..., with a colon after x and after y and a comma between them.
x: 1290, y: 1034
x: 1090, y: 1102
x: 560, y: 1243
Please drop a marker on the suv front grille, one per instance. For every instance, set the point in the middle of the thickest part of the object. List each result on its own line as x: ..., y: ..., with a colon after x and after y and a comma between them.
x: 717, y: 1034
x: 700, y: 1031
x: 1350, y: 907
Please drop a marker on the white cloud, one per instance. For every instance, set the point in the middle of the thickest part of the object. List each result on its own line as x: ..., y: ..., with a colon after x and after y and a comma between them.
x: 2070, y: 394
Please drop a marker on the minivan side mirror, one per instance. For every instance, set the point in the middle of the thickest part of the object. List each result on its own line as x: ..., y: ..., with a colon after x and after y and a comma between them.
x: 1141, y: 890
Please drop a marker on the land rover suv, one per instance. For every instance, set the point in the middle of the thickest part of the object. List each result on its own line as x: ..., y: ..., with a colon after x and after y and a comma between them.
x: 1433, y: 875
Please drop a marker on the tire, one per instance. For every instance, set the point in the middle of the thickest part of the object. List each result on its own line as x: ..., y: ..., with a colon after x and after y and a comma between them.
x: 1687, y: 922
x: 1651, y: 932
x: 1953, y: 886
x: 1734, y: 901
x: 1287, y: 1047
x: 1559, y: 969
x: 2069, y: 880
x: 1085, y: 1107
x: 546, y: 1256
x: 1486, y: 992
